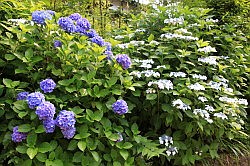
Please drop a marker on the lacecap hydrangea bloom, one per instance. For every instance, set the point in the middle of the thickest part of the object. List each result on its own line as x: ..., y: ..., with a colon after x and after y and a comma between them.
x: 35, y: 99
x: 46, y: 111
x: 57, y: 43
x: 22, y: 95
x: 47, y: 85
x: 120, y: 107
x: 65, y: 120
x: 123, y: 60
x: 39, y: 16
x: 17, y: 136
x: 49, y: 126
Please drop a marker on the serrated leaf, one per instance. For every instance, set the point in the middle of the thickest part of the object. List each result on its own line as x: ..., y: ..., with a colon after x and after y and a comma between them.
x: 44, y: 147
x: 124, y: 154
x: 95, y: 155
x: 21, y: 149
x: 31, y: 139
x: 24, y: 128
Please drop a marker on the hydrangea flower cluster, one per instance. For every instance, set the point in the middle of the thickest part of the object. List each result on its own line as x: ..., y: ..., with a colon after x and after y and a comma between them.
x: 39, y: 16
x: 22, y: 95
x: 17, y: 136
x: 120, y: 107
x: 198, y: 76
x: 57, y: 43
x: 35, y: 99
x: 174, y: 21
x: 204, y: 114
x: 168, y: 142
x: 221, y: 115
x: 178, y: 36
x: 46, y: 111
x: 207, y: 49
x: 209, y: 60
x: 47, y: 85
x: 162, y: 84
x: 180, y: 105
x: 49, y: 125
x: 123, y: 60
x: 202, y: 99
x: 66, y: 122
x: 177, y: 74
x: 196, y: 86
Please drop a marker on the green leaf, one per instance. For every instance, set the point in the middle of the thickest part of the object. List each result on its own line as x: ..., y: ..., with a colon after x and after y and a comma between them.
x: 97, y: 115
x: 72, y: 145
x: 22, y: 114
x: 21, y: 149
x: 58, y: 162
x: 112, y: 81
x: 9, y: 57
x: 117, y: 91
x: 127, y: 145
x: 150, y: 38
x: 44, y: 147
x: 20, y: 105
x: 151, y: 96
x: 27, y: 162
x: 124, y: 154
x: 134, y: 129
x: 24, y: 128
x: 40, y: 129
x: 66, y: 82
x: 31, y: 152
x: 95, y: 155
x: 7, y: 82
x: 78, y: 157
x: 116, y: 163
x: 41, y: 157
x: 29, y: 53
x: 81, y: 145
x: 31, y: 139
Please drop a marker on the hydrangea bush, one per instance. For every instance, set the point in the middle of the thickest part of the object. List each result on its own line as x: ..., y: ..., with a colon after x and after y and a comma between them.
x: 67, y: 103
x: 193, y: 74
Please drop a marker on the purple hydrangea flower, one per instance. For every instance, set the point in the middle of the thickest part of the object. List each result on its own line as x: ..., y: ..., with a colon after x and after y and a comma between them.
x: 49, y: 125
x: 57, y: 43
x: 47, y: 85
x: 39, y: 16
x: 98, y: 40
x: 120, y: 137
x: 65, y: 120
x: 120, y: 107
x: 83, y: 23
x: 69, y: 133
x: 67, y: 24
x: 17, y: 136
x: 45, y: 111
x: 22, y: 95
x: 75, y: 16
x: 123, y: 60
x: 91, y: 33
x: 35, y: 99
x: 109, y: 54
x: 108, y: 46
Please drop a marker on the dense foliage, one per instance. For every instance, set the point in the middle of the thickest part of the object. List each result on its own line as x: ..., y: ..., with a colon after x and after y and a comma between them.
x: 168, y: 88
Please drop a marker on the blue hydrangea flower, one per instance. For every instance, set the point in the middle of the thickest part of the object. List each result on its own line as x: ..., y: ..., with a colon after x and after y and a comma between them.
x: 67, y: 24
x: 22, y: 95
x: 120, y: 137
x: 51, y: 12
x: 17, y: 136
x: 75, y: 16
x: 57, y: 43
x: 91, y: 33
x: 120, y: 107
x: 108, y: 46
x: 83, y: 23
x: 47, y: 85
x: 109, y: 54
x: 49, y: 126
x: 69, y: 133
x: 39, y: 16
x: 65, y: 119
x: 45, y: 111
x: 123, y: 60
x: 98, y: 40
x: 35, y: 99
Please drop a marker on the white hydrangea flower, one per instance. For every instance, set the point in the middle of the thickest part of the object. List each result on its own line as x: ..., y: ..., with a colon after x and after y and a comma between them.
x: 119, y: 37
x: 209, y: 108
x: 212, y: 20
x: 153, y: 42
x: 202, y: 99
x: 166, y: 140
x: 243, y: 102
x: 123, y: 46
x: 196, y: 86
x: 163, y: 66
x: 177, y: 74
x: 136, y: 43
x: 220, y: 115
x: 136, y: 73
x: 228, y: 100
x: 198, y: 76
x: 174, y: 21
x: 140, y: 30
x: 149, y: 73
x: 209, y: 60
x: 180, y: 105
x: 146, y: 65
x: 172, y: 36
x: 229, y: 90
x: 217, y: 85
x: 150, y: 90
x: 207, y: 49
x: 182, y: 30
x: 172, y: 151
x: 162, y: 84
